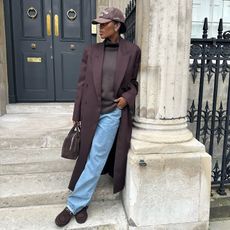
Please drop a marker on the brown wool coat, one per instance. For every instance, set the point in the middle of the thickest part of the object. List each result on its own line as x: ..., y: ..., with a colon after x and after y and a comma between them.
x: 88, y: 104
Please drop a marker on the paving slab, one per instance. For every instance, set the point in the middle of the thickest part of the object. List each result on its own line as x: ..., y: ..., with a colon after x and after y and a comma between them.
x: 45, y: 188
x: 103, y: 215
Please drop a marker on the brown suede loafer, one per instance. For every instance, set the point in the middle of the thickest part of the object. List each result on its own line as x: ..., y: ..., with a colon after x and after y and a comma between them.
x: 82, y: 215
x: 63, y: 218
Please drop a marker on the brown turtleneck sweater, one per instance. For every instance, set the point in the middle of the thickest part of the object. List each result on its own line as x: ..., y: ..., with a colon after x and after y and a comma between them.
x: 108, y: 77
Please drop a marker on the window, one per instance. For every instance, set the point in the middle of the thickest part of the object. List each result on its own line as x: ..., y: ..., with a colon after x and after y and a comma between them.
x: 213, y: 10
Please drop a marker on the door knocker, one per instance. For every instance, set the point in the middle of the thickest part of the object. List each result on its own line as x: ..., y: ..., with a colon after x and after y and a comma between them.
x: 71, y: 14
x: 32, y: 13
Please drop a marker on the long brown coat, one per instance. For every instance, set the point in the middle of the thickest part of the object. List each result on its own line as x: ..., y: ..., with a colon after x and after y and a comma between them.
x: 88, y: 104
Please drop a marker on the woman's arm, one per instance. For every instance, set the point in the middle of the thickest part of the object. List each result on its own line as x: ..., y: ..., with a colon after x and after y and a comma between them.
x: 131, y: 93
x: 80, y: 84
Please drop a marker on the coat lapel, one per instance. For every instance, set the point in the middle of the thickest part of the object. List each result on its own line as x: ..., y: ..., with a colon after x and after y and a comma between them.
x: 121, y: 65
x: 97, y: 68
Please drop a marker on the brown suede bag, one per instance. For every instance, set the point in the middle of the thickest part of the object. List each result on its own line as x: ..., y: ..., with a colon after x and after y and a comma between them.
x: 71, y: 144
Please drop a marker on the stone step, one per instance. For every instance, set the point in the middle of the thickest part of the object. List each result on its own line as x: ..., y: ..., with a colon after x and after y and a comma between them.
x: 20, y: 161
x: 103, y: 215
x: 51, y: 140
x: 62, y: 108
x: 33, y: 130
x: 45, y: 188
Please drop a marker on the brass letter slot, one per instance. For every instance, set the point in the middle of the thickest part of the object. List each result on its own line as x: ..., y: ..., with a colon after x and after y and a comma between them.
x: 34, y: 59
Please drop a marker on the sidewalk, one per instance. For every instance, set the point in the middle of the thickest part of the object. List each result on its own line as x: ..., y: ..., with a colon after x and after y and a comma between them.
x: 220, y: 225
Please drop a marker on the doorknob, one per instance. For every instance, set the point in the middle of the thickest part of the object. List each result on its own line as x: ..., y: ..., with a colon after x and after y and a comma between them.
x: 72, y: 47
x: 33, y: 45
x: 56, y: 26
x: 48, y: 24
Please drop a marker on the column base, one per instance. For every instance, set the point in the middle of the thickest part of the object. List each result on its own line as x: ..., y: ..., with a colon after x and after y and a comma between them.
x: 161, y: 131
x: 171, y: 189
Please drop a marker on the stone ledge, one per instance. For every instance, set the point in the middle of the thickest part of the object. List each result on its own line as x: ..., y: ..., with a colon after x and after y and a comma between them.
x: 143, y: 147
x: 181, y: 226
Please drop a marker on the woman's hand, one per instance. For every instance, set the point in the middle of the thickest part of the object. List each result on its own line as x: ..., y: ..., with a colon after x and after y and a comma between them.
x: 121, y: 102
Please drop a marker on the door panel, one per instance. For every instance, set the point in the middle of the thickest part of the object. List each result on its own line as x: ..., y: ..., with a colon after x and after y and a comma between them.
x: 69, y: 60
x: 74, y: 20
x: 71, y: 16
x: 49, y: 39
x: 33, y: 63
x: 32, y: 23
x: 35, y: 70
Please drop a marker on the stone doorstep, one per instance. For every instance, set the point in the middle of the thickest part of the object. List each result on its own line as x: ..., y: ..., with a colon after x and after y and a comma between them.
x: 45, y: 188
x: 102, y: 215
x: 48, y: 107
x: 19, y: 161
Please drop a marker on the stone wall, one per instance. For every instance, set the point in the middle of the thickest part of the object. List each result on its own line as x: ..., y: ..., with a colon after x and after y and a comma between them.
x: 121, y: 4
x: 3, y: 67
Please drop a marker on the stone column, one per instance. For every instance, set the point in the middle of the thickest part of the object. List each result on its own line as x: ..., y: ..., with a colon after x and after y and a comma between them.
x: 3, y: 67
x: 168, y: 171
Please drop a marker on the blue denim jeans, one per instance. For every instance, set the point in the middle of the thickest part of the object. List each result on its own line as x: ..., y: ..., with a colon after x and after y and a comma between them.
x: 101, y: 145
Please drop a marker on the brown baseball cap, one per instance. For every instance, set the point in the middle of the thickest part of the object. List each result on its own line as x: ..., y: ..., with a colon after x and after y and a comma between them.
x: 111, y: 14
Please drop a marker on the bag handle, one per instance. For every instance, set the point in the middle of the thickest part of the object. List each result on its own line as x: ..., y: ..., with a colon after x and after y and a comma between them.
x: 77, y: 125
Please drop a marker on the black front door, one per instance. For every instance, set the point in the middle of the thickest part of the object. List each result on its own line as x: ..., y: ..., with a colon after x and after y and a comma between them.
x: 49, y: 38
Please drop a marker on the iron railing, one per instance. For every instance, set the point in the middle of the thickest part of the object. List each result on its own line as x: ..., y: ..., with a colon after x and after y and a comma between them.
x: 130, y: 14
x: 209, y: 83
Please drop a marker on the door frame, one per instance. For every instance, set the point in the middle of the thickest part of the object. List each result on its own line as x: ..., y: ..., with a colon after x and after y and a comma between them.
x: 10, y: 46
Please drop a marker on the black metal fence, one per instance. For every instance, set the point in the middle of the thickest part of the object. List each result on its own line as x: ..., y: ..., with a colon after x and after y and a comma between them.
x: 130, y: 14
x: 209, y: 98
x: 210, y: 104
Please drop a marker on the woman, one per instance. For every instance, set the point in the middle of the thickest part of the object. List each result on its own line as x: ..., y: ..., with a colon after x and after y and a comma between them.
x: 105, y: 98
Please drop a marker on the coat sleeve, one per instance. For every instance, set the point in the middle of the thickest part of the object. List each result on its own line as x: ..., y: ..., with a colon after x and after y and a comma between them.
x: 131, y: 93
x: 80, y: 84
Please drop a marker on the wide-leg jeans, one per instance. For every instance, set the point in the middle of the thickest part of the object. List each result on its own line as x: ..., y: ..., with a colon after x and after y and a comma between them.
x: 101, y: 145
